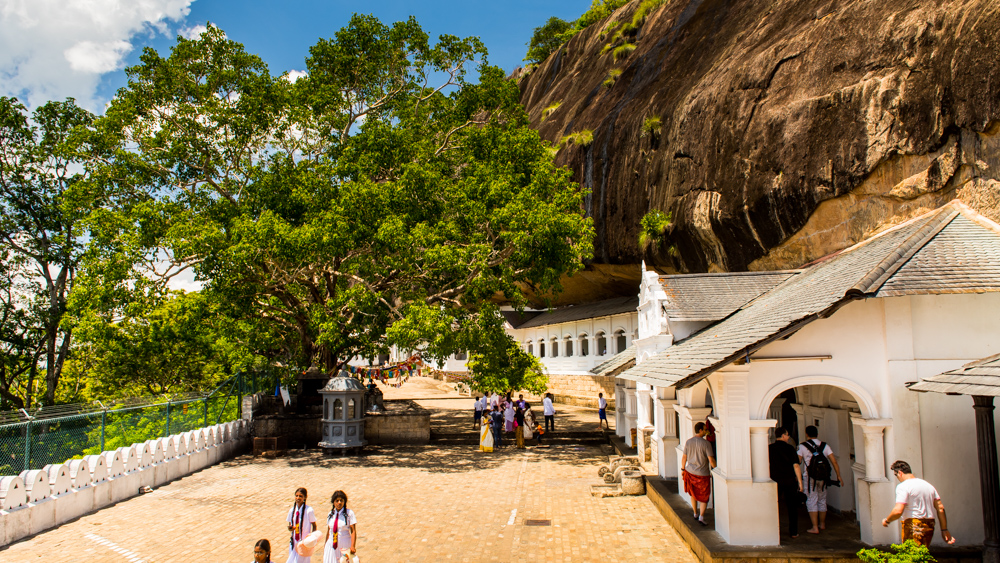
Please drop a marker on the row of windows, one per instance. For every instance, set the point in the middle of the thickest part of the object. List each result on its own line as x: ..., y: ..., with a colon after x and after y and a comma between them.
x: 567, y: 348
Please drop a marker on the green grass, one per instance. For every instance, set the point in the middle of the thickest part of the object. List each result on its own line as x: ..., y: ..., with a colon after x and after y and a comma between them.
x: 550, y: 109
x: 607, y: 48
x: 645, y: 8
x: 652, y: 227
x: 623, y: 51
x: 580, y: 138
x: 612, y: 77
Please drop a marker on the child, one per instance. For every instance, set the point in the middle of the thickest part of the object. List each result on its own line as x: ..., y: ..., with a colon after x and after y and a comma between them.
x: 342, y: 529
x: 301, y: 522
x: 262, y: 552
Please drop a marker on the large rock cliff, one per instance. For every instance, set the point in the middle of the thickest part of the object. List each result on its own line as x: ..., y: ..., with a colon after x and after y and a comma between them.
x: 774, y: 131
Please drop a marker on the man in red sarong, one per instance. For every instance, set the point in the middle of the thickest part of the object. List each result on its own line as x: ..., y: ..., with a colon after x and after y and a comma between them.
x: 698, y: 461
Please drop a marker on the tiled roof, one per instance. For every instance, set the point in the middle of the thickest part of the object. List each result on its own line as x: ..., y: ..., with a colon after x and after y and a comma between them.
x: 617, y: 363
x: 981, y: 377
x: 586, y: 311
x: 953, y: 236
x: 710, y: 297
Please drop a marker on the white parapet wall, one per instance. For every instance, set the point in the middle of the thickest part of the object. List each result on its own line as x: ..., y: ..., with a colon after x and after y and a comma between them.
x: 37, y: 500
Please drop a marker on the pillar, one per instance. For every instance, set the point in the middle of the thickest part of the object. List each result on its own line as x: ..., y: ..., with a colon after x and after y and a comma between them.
x: 759, y: 442
x: 665, y: 419
x: 630, y: 417
x: 986, y: 444
x: 876, y: 495
x: 620, y: 408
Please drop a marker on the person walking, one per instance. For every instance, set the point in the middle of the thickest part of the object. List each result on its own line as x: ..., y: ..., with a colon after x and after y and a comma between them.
x: 602, y: 412
x: 519, y: 427
x: 816, y: 458
x: 698, y: 462
x: 301, y: 522
x: 478, y: 414
x: 917, y: 505
x: 786, y: 471
x: 549, y: 412
x: 262, y: 552
x: 342, y: 529
x: 497, y: 425
x: 485, y: 434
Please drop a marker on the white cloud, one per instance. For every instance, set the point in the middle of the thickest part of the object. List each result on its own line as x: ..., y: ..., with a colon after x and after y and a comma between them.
x: 193, y: 32
x: 53, y: 49
x: 294, y: 75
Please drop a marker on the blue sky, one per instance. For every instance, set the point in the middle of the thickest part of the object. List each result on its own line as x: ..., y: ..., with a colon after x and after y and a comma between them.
x: 51, y: 49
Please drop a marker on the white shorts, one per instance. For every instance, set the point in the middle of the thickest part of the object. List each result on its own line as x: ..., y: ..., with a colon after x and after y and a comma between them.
x: 816, y: 497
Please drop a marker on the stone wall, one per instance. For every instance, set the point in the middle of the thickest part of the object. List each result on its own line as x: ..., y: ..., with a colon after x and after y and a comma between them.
x: 302, y: 431
x: 37, y: 500
x: 403, y: 422
x: 582, y: 390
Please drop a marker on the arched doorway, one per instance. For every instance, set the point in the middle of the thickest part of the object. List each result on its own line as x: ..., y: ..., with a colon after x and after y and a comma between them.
x: 832, y: 410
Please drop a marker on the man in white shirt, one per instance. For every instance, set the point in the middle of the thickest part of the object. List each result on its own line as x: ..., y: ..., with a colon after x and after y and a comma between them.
x: 917, y: 504
x: 550, y: 413
x: 815, y: 487
x: 602, y: 412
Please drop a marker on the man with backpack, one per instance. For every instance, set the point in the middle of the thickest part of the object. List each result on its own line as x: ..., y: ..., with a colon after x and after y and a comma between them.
x: 817, y: 459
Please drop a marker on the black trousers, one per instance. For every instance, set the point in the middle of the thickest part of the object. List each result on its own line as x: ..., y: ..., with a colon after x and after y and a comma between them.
x: 550, y: 422
x: 790, y: 497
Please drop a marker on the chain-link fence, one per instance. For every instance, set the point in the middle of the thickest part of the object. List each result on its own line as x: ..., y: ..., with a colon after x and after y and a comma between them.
x: 33, y: 440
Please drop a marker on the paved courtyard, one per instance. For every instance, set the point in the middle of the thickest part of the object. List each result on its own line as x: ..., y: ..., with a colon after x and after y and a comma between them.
x: 413, y: 503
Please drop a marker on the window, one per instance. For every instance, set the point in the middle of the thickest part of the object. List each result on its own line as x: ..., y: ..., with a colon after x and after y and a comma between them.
x: 555, y: 348
x: 338, y: 409
x: 351, y: 414
x: 620, y: 342
x: 602, y: 344
x: 460, y: 355
x: 541, y: 349
x: 584, y: 345
x: 383, y: 359
x: 326, y: 410
x: 531, y: 351
x: 568, y: 347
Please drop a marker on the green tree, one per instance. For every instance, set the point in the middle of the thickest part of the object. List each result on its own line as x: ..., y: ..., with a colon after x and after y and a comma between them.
x: 361, y: 206
x: 546, y: 39
x: 45, y: 194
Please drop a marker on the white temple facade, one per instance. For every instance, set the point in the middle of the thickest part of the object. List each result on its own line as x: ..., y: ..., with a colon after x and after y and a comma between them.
x: 833, y: 346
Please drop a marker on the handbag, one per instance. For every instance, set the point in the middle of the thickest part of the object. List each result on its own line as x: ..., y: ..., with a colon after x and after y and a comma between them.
x: 348, y: 557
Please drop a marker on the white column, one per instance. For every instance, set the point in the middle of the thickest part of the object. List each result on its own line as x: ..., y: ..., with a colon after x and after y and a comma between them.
x: 759, y: 441
x: 620, y: 408
x: 630, y: 414
x: 643, y: 393
x: 664, y: 418
x: 875, y: 491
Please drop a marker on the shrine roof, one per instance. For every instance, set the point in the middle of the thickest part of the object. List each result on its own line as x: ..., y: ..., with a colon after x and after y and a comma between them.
x: 710, y: 297
x: 617, y: 363
x: 981, y: 377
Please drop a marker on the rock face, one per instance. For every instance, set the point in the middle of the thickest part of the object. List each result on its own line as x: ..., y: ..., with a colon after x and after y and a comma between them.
x: 786, y: 129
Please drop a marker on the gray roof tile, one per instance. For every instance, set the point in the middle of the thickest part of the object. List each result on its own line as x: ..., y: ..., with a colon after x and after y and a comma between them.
x: 710, y: 297
x: 818, y: 291
x: 572, y: 313
x: 617, y: 363
x: 981, y: 377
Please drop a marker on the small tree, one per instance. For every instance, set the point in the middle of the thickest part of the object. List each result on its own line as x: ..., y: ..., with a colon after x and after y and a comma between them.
x: 546, y: 39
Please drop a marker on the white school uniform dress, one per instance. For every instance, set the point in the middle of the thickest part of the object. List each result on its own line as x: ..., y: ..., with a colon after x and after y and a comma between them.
x: 345, y: 519
x: 304, y: 518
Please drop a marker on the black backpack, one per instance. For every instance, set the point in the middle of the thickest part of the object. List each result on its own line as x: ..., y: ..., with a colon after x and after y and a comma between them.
x: 819, y: 467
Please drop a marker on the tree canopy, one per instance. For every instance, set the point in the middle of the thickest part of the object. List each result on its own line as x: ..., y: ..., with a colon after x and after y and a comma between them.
x: 384, y: 198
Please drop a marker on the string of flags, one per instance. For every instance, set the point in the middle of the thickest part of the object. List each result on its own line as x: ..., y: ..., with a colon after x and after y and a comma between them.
x: 401, y: 372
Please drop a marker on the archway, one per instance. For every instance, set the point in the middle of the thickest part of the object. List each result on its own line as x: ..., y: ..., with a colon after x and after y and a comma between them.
x: 831, y: 406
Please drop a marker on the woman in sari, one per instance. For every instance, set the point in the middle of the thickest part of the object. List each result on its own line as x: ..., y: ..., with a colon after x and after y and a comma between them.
x: 485, y: 435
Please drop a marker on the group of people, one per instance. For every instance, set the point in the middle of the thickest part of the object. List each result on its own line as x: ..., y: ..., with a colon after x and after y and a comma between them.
x: 341, y: 534
x: 497, y: 416
x: 805, y: 474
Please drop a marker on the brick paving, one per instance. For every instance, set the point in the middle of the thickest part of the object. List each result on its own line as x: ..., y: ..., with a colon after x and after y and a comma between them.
x: 413, y: 503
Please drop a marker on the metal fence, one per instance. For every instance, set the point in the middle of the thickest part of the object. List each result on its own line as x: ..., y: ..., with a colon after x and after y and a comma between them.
x: 56, y: 434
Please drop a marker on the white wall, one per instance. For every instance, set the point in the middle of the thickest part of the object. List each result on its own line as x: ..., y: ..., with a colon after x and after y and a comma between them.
x: 577, y: 364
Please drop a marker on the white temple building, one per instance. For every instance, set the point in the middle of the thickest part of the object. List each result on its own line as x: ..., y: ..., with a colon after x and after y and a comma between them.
x: 831, y: 345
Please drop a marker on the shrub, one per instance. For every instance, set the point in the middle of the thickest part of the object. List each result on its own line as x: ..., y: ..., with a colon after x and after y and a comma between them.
x: 652, y: 227
x: 651, y: 126
x: 906, y: 552
x: 622, y: 51
x: 645, y: 8
x: 546, y: 39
